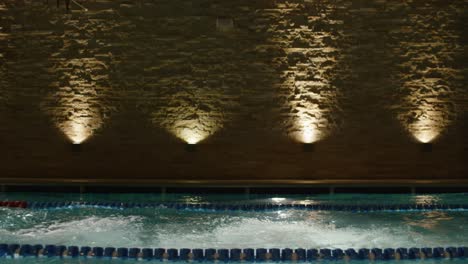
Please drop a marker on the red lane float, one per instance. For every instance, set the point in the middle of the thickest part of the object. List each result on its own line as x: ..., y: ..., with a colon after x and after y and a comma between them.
x: 14, y: 204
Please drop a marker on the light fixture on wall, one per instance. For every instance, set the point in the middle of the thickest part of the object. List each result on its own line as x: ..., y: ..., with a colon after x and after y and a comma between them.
x: 76, y: 147
x: 190, y: 147
x: 426, y: 147
x: 308, y: 147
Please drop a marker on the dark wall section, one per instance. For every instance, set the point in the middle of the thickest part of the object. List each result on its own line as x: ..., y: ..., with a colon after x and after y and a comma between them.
x: 249, y: 81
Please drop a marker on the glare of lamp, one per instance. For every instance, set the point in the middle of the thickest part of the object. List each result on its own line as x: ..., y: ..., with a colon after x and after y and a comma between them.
x: 425, y: 136
x: 426, y: 128
x: 77, y: 132
x: 309, y: 135
x: 191, y: 136
x: 426, y: 199
x: 307, y: 131
x: 278, y: 199
x: 192, y: 140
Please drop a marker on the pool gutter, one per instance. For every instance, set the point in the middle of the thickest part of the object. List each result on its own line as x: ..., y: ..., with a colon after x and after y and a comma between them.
x: 332, y: 185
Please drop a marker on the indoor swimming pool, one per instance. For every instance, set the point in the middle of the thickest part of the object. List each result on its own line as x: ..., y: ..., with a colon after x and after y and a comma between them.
x: 210, y: 227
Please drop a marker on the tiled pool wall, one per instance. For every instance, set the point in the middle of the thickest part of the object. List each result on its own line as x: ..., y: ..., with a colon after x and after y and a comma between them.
x: 134, y: 80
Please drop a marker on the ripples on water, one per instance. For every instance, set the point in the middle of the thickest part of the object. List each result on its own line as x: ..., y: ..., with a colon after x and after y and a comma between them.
x: 192, y: 229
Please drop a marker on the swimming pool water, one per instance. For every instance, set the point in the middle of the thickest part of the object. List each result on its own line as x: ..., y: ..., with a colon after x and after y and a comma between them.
x: 285, y: 228
x: 201, y: 229
x: 454, y: 198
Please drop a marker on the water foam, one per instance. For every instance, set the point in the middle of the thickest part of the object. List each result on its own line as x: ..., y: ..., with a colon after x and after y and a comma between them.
x: 179, y: 229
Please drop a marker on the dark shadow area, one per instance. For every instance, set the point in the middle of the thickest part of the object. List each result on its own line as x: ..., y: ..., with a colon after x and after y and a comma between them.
x: 376, y: 190
x: 206, y: 190
x: 290, y: 190
x: 441, y: 189
x: 43, y: 188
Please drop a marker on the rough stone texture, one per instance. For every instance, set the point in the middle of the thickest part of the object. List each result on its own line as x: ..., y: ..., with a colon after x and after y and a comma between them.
x: 305, y: 35
x: 79, y: 103
x: 430, y: 52
x: 133, y: 80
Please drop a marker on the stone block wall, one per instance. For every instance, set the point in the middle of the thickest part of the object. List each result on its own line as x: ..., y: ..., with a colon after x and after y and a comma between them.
x: 249, y: 81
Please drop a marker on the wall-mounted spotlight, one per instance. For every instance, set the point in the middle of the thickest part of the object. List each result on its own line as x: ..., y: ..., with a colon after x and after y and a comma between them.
x: 308, y: 147
x: 76, y: 147
x: 426, y: 147
x: 190, y: 147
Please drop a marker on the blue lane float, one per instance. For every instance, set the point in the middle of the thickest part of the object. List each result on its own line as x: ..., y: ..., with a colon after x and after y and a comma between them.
x: 122, y: 253
x: 261, y: 254
x: 275, y: 254
x: 210, y: 254
x: 223, y: 255
x: 73, y: 251
x: 235, y: 254
x: 197, y: 254
x: 85, y: 251
x: 351, y: 253
x: 172, y: 254
x: 245, y: 207
x: 133, y: 253
x: 300, y: 254
x: 109, y: 252
x: 230, y: 255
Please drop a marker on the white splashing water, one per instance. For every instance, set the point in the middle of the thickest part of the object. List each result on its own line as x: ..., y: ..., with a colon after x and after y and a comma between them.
x: 166, y: 228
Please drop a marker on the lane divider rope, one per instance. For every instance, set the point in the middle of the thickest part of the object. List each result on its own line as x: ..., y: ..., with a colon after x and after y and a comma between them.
x: 234, y: 254
x: 239, y: 207
x: 17, y: 204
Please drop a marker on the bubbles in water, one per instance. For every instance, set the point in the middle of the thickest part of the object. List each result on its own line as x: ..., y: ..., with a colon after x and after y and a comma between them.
x: 287, y: 228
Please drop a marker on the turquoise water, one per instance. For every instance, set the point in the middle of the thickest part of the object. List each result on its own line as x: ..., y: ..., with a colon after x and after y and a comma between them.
x: 455, y: 198
x: 171, y: 228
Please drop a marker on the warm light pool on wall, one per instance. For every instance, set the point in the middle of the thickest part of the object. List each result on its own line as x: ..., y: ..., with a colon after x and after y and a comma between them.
x: 425, y: 133
x: 427, y: 109
x: 425, y: 129
x: 192, y: 131
x: 191, y: 137
x: 78, y: 131
x: 307, y: 134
